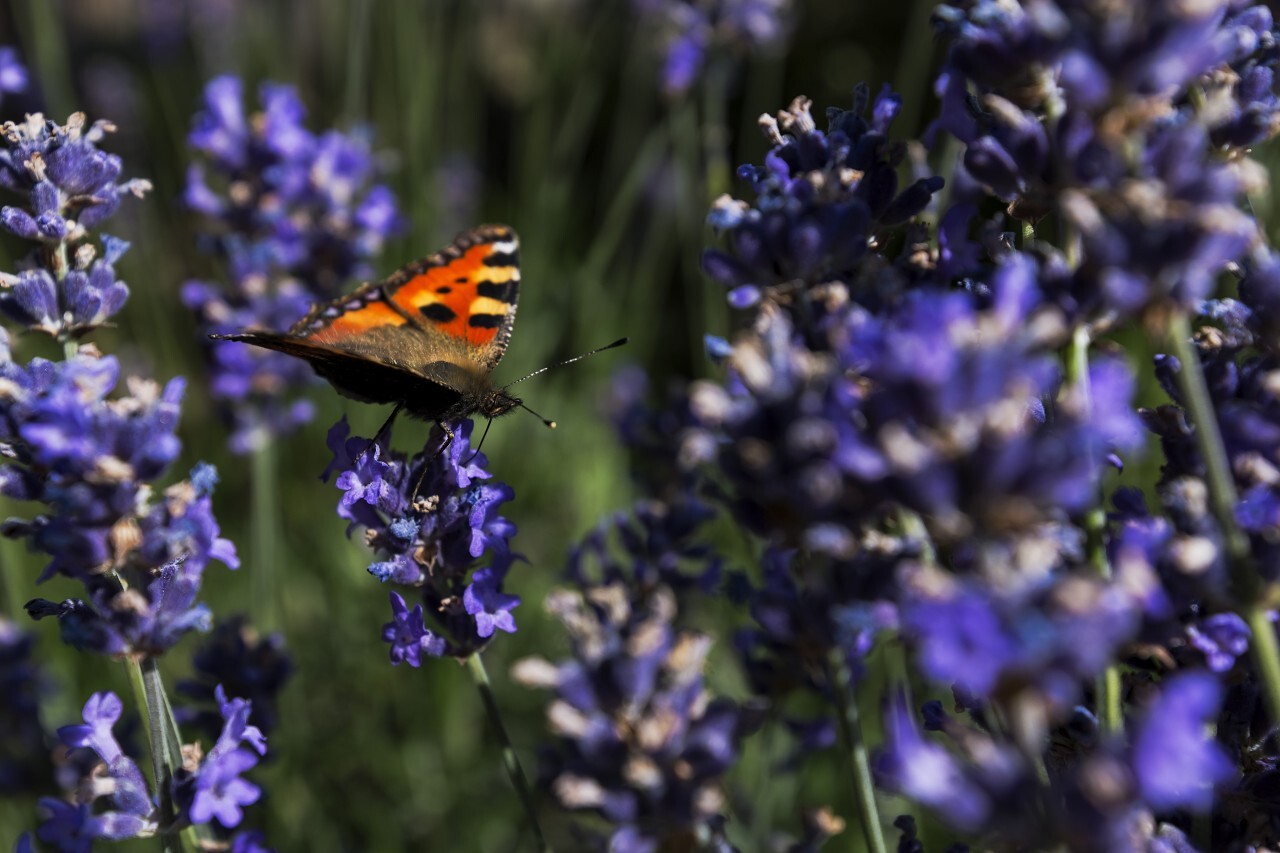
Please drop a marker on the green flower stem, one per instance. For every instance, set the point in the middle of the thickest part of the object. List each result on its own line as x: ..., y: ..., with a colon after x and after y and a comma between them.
x: 264, y: 528
x: 165, y: 748
x: 39, y: 24
x: 509, y: 758
x: 353, y: 98
x: 911, y: 79
x: 1108, y: 687
x: 1248, y: 587
x: 715, y: 133
x: 850, y: 725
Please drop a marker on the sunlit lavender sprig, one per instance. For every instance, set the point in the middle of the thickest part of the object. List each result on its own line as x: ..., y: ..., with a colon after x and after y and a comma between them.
x: 431, y: 540
x: 209, y: 787
x: 69, y: 186
x: 89, y: 458
x: 90, y: 462
x: 294, y: 216
x: 693, y: 32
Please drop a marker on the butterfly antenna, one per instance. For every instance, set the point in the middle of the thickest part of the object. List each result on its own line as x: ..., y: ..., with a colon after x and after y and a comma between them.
x: 619, y: 342
x: 549, y: 424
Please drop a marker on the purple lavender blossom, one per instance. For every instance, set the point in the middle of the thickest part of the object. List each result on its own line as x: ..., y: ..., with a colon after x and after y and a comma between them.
x: 949, y: 420
x: 821, y: 200
x: 408, y: 635
x: 432, y: 540
x: 211, y: 789
x: 70, y: 186
x: 1053, y: 636
x: 1054, y: 106
x: 1176, y: 765
x: 295, y: 217
x: 215, y: 791
x: 90, y: 460
x: 74, y: 826
x: 639, y: 739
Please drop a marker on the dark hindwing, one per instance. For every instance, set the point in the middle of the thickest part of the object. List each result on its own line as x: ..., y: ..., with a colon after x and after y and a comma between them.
x: 426, y: 394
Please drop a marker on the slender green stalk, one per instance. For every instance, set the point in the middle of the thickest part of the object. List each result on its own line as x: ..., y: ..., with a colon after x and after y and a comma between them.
x: 510, y: 760
x: 40, y: 26
x: 166, y: 750
x: 915, y: 59
x: 1247, y: 585
x: 1222, y: 487
x: 148, y: 693
x: 715, y: 133
x: 850, y: 725
x: 357, y: 61
x: 264, y: 531
x: 11, y: 580
x: 1108, y: 686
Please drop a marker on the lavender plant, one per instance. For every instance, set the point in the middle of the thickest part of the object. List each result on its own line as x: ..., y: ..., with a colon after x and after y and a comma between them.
x: 432, y: 518
x: 89, y: 461
x: 208, y: 787
x: 924, y: 432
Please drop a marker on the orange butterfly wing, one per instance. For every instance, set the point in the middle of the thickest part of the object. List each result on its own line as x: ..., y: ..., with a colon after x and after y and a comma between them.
x: 459, y: 302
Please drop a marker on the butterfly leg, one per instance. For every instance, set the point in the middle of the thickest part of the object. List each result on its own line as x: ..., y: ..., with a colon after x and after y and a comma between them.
x: 386, y: 427
x: 481, y: 444
x: 444, y: 445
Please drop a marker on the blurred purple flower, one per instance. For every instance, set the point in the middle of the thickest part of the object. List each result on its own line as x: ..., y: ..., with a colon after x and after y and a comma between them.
x: 24, y: 753
x: 245, y: 665
x: 1176, y: 764
x: 295, y: 217
x: 1055, y: 636
x: 691, y: 32
x: 13, y: 75
x: 639, y: 739
x: 1054, y: 103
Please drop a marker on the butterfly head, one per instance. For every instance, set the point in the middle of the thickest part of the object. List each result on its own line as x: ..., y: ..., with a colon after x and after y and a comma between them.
x: 496, y: 402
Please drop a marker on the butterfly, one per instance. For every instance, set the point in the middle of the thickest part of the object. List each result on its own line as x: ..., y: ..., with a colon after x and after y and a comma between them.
x: 424, y: 339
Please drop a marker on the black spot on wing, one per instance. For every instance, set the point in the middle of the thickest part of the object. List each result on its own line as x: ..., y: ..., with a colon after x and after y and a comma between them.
x: 503, y: 291
x: 462, y: 279
x: 485, y: 321
x: 502, y: 259
x: 443, y: 289
x: 438, y: 312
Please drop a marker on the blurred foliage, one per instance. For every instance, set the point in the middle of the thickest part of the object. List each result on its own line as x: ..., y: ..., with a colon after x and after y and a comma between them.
x: 544, y: 114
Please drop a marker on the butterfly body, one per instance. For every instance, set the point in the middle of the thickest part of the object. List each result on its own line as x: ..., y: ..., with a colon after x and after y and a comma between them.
x: 425, y: 339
